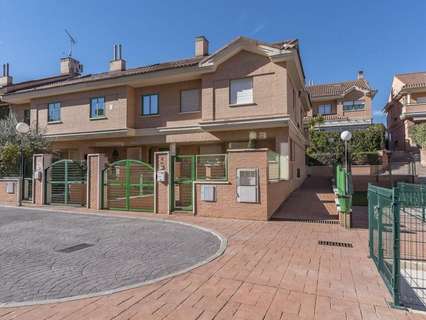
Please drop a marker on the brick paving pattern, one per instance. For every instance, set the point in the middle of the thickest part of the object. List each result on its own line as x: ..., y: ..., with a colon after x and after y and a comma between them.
x: 46, y: 255
x: 271, y: 270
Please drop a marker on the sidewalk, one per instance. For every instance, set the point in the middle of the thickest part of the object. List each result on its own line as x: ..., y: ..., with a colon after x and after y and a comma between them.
x: 271, y: 270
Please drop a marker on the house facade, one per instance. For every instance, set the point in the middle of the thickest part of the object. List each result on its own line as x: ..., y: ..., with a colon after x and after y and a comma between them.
x: 406, y: 106
x: 343, y: 105
x: 246, y: 94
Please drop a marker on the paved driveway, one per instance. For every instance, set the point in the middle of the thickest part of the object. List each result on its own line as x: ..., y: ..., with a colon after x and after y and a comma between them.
x: 52, y: 255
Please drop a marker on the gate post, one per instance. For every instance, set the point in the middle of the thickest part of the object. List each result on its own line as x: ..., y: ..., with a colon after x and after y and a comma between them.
x: 40, y: 163
x: 162, y: 188
x: 95, y: 165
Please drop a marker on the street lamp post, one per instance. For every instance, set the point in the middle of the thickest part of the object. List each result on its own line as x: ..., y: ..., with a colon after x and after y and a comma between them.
x: 346, y: 136
x: 22, y: 129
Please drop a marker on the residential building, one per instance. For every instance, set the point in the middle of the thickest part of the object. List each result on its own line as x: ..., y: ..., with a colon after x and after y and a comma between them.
x: 248, y: 93
x: 343, y: 105
x: 406, y: 106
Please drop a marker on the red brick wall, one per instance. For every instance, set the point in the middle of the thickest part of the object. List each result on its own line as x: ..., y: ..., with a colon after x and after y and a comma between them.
x: 226, y: 204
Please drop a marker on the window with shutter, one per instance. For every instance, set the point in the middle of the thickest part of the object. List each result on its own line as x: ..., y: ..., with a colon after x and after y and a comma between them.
x: 241, y: 91
x: 190, y: 100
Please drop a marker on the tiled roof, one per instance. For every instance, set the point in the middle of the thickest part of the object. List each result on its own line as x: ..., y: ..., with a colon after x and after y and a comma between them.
x: 117, y: 74
x: 413, y: 80
x: 33, y: 83
x: 145, y: 69
x: 336, y: 89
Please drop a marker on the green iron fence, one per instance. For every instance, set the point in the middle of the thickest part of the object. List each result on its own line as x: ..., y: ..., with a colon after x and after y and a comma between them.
x: 211, y: 167
x: 397, y: 231
x: 273, y: 165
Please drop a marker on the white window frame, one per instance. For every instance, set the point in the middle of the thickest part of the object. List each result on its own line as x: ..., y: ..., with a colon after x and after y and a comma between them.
x: 234, y: 95
x: 197, y: 92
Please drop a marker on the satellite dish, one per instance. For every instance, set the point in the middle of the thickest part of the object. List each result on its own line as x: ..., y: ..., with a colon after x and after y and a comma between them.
x: 22, y: 128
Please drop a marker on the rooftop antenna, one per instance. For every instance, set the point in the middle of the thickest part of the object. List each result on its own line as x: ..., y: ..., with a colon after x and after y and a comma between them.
x: 72, y: 42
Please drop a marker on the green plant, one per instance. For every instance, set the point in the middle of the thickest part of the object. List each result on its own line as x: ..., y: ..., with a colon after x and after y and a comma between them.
x: 418, y: 134
x: 326, y: 147
x: 11, y: 143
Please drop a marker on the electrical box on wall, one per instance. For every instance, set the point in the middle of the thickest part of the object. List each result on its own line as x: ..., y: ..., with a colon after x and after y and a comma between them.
x: 10, y: 187
x: 208, y: 193
x: 248, y: 185
x: 161, y: 176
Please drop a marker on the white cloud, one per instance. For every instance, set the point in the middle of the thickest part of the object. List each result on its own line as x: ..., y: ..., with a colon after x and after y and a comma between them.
x: 258, y: 28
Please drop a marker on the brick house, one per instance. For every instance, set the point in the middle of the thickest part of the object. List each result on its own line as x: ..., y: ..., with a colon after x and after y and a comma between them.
x: 343, y: 105
x: 248, y: 93
x: 406, y: 106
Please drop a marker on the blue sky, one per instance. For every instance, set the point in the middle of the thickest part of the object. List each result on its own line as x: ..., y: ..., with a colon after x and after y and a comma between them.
x: 337, y: 38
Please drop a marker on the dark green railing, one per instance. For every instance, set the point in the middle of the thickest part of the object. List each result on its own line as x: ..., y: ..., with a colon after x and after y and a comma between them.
x: 397, y: 241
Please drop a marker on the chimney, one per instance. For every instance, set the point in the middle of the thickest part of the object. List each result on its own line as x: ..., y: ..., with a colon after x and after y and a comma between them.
x: 71, y: 66
x: 5, y: 79
x: 201, y: 46
x: 117, y: 63
x: 360, y: 75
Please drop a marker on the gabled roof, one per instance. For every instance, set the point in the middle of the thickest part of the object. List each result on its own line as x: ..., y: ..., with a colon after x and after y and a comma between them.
x: 412, y: 80
x: 278, y: 51
x: 338, y: 88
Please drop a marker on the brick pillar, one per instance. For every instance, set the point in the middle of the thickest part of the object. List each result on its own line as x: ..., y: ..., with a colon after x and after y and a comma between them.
x: 40, y: 163
x: 162, y: 192
x: 95, y: 165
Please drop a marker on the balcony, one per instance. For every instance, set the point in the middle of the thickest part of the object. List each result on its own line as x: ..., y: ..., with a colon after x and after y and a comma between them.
x: 414, y: 111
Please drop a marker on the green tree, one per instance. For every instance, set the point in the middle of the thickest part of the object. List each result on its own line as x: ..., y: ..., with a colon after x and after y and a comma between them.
x: 12, y: 142
x: 418, y: 134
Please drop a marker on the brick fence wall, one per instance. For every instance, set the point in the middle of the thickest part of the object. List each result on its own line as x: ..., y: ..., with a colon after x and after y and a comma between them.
x: 9, y: 191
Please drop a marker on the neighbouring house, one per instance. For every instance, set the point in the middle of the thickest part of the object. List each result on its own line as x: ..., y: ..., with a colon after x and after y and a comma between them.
x: 406, y: 106
x: 343, y: 105
x: 248, y: 95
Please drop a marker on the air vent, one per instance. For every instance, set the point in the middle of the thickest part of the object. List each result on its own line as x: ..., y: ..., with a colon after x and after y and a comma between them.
x: 335, y: 244
x: 77, y: 247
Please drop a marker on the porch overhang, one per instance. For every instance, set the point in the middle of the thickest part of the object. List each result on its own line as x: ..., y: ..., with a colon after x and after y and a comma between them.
x: 415, y: 116
x: 245, y: 123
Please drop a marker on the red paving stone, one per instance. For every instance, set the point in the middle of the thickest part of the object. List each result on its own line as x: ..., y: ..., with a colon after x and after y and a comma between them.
x: 271, y: 270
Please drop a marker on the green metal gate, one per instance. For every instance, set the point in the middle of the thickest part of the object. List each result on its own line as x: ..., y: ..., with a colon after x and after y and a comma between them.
x: 128, y: 185
x: 397, y: 233
x: 183, y: 176
x: 65, y: 183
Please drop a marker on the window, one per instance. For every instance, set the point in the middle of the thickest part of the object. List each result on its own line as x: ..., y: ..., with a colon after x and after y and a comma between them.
x: 54, y: 112
x: 97, y: 107
x: 241, y: 91
x: 353, y: 105
x: 149, y: 104
x: 324, y: 109
x: 27, y: 116
x: 190, y: 100
x: 421, y: 100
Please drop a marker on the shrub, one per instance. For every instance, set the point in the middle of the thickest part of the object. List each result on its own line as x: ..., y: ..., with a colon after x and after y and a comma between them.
x: 326, y: 147
x: 418, y: 134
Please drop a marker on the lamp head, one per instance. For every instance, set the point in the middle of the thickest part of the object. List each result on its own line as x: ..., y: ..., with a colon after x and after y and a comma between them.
x: 346, y: 135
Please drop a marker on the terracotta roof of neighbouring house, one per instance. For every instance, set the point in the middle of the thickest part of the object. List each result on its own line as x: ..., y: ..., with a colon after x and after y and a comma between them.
x: 116, y: 74
x: 33, y: 83
x: 336, y: 89
x: 413, y: 80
